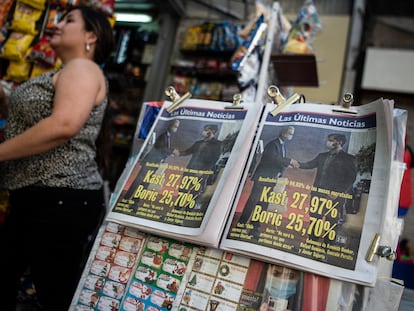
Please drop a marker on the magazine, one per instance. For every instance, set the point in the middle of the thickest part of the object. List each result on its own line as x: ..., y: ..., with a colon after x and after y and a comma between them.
x: 316, y: 190
x: 184, y: 179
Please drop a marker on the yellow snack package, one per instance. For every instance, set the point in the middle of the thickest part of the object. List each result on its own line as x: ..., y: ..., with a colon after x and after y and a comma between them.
x: 39, y: 68
x: 18, y: 71
x: 37, y: 4
x: 192, y: 38
x: 25, y: 18
x: 16, y: 46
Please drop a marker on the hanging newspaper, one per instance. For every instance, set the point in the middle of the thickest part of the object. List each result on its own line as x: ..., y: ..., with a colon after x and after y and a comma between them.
x: 316, y: 190
x: 185, y: 177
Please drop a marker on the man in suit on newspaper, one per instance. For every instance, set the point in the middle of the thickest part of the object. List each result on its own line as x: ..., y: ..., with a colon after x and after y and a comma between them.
x: 336, y: 171
x: 204, y: 156
x: 163, y: 148
x: 272, y: 166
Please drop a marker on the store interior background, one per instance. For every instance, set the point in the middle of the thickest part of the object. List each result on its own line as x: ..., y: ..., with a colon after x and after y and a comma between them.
x: 366, y: 47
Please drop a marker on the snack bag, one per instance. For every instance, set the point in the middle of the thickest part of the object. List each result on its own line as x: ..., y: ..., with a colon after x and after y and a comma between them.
x: 65, y: 3
x: 54, y: 15
x: 43, y: 53
x: 246, y: 48
x: 4, y: 10
x: 18, y: 71
x: 25, y: 18
x: 39, y: 68
x: 192, y: 38
x: 303, y: 30
x: 37, y: 4
x: 16, y: 46
x: 104, y: 6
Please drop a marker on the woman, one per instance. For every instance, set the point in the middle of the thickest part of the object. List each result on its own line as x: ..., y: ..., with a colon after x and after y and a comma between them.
x: 48, y: 164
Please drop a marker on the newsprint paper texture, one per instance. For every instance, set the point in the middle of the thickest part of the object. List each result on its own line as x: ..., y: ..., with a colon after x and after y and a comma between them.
x: 185, y: 177
x: 315, y: 201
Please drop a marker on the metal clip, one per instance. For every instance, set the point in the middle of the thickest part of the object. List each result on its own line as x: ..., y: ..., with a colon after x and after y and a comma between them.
x: 379, y: 250
x: 347, y: 101
x: 237, y: 100
x: 175, y: 98
x: 279, y: 100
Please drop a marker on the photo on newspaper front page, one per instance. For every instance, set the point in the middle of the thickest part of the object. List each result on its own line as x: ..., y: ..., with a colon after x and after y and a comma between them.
x: 315, y: 191
x: 184, y: 179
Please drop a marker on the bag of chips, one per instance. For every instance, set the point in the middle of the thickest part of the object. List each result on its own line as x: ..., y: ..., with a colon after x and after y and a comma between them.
x: 18, y: 71
x: 37, y: 4
x: 16, y: 46
x: 43, y: 53
x: 303, y: 30
x: 25, y: 18
x: 4, y: 10
x: 104, y: 6
x: 54, y: 15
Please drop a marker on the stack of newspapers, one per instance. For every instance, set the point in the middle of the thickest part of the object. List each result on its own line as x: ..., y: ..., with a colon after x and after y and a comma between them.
x: 308, y: 186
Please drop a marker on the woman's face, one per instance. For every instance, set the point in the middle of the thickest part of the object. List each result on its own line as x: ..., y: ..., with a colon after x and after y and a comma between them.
x: 70, y: 31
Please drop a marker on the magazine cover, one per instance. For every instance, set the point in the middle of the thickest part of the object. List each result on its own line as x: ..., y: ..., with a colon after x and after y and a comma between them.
x: 316, y: 189
x: 184, y: 179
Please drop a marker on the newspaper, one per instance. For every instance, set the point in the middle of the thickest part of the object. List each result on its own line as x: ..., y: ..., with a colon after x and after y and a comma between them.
x: 318, y: 206
x: 184, y: 179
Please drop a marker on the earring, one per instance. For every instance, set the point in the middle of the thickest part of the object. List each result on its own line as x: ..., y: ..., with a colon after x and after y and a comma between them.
x: 87, y: 47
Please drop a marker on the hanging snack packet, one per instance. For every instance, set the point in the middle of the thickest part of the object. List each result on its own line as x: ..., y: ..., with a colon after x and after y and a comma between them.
x: 246, y: 48
x: 43, y: 53
x: 37, y: 4
x: 104, y: 6
x: 65, y: 3
x: 25, y: 18
x: 39, y: 69
x: 4, y: 11
x: 303, y: 30
x: 192, y: 38
x: 18, y: 71
x: 3, y: 35
x: 54, y: 15
x: 16, y: 46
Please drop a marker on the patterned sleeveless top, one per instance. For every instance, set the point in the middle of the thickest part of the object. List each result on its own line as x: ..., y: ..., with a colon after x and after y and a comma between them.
x: 71, y: 165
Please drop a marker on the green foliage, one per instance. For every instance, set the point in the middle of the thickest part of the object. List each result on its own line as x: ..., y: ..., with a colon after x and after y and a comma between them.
x: 365, y: 159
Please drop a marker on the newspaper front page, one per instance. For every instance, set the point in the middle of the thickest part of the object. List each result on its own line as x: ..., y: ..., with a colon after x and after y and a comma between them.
x: 184, y: 179
x: 315, y: 192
